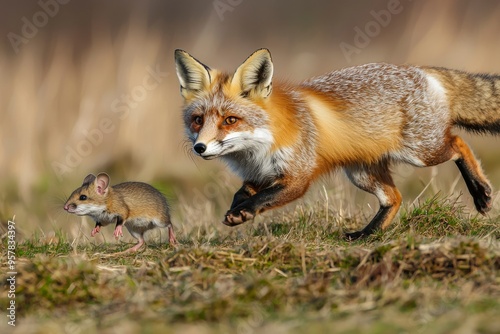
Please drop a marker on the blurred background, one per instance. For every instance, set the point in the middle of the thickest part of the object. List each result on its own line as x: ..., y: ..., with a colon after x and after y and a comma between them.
x: 90, y: 86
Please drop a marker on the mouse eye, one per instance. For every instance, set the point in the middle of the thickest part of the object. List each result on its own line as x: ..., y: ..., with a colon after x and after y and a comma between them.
x: 83, y: 197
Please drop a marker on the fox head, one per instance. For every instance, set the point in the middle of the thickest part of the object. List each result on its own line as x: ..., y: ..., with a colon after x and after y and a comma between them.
x: 224, y: 114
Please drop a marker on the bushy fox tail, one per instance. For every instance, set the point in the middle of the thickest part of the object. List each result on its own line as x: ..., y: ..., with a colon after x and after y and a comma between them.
x: 474, y: 99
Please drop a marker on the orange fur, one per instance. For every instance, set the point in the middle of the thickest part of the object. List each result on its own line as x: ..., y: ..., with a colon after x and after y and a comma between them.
x: 282, y: 118
x: 336, y: 127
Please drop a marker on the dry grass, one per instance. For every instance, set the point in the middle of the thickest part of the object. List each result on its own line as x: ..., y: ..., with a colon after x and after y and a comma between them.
x: 292, y: 273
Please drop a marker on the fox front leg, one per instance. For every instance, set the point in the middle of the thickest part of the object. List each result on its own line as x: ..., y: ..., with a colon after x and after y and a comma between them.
x: 249, y: 207
x: 265, y: 199
x: 244, y: 193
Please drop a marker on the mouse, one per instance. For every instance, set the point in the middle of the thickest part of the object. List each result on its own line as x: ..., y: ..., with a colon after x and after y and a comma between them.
x: 137, y: 205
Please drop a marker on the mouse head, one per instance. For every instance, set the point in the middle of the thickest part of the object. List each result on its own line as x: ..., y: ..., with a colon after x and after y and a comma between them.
x: 90, y: 198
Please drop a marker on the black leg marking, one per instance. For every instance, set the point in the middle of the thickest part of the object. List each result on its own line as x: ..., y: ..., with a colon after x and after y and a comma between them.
x: 249, y: 207
x: 244, y: 193
x: 375, y: 224
x: 480, y: 191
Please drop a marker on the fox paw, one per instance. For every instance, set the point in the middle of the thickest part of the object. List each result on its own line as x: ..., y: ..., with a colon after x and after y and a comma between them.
x: 482, y: 199
x: 351, y: 236
x: 237, y: 217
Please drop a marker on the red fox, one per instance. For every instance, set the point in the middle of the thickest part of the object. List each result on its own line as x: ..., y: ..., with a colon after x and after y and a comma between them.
x: 280, y: 137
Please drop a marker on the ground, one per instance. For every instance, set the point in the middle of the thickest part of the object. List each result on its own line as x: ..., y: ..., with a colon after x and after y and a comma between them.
x: 435, y: 270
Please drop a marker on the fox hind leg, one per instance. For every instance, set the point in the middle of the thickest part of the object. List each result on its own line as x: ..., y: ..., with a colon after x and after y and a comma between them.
x: 477, y: 183
x: 376, y: 179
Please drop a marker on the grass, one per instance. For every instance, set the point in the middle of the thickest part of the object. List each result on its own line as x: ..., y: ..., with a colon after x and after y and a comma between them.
x: 435, y: 270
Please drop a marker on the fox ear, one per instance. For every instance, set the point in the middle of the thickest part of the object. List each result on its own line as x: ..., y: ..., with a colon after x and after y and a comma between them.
x: 255, y: 74
x: 193, y: 75
x: 101, y: 183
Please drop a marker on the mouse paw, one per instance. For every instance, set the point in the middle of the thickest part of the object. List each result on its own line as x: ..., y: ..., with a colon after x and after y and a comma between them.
x: 171, y: 236
x: 95, y: 230
x: 118, y: 232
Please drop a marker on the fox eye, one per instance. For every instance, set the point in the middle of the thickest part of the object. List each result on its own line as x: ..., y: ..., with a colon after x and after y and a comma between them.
x: 83, y: 197
x: 198, y: 120
x: 230, y: 120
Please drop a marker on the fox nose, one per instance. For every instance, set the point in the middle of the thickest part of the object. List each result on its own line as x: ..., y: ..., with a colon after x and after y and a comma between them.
x: 200, y: 148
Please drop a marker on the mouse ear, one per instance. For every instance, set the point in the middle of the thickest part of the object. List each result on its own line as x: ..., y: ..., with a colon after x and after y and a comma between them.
x: 88, y: 179
x: 102, y: 182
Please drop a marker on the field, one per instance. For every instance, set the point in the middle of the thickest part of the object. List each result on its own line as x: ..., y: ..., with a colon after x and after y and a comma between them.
x: 435, y: 271
x: 94, y: 89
